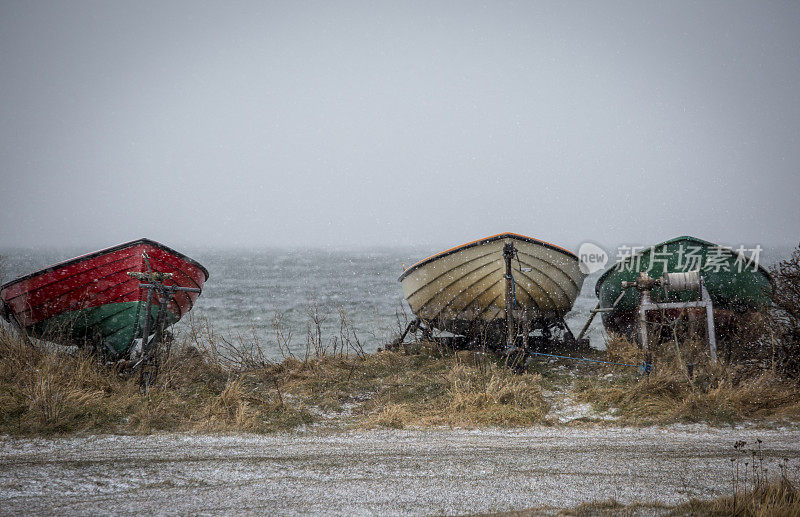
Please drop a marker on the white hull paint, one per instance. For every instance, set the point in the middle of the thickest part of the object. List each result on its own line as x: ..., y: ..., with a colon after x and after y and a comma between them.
x: 466, y: 284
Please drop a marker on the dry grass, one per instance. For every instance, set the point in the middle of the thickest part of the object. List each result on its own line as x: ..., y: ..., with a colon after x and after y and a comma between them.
x: 773, y: 498
x: 461, y: 396
x: 217, y: 385
x: 52, y: 391
x: 754, y: 492
x: 48, y: 390
x: 621, y: 350
x: 425, y: 387
x: 45, y: 391
x: 714, y: 393
x: 777, y: 497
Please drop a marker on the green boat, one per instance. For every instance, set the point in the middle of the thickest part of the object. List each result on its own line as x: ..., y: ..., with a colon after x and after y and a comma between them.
x: 737, y: 284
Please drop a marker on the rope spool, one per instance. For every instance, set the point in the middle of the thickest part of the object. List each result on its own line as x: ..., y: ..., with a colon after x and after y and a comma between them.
x: 689, y: 280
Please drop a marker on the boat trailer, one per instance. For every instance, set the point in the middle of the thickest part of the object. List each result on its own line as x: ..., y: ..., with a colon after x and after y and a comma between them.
x: 517, y: 326
x: 153, y: 282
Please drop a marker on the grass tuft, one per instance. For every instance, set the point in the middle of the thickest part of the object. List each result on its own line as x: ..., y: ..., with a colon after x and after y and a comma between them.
x: 713, y: 393
x: 777, y: 497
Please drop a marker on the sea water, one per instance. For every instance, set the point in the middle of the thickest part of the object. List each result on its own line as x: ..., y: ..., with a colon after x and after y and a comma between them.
x: 249, y: 287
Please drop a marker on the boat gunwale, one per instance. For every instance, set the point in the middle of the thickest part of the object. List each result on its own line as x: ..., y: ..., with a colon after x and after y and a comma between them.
x: 730, y: 250
x: 481, y: 241
x: 105, y: 251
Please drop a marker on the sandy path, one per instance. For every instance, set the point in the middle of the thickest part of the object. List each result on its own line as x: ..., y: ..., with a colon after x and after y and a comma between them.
x: 373, y: 472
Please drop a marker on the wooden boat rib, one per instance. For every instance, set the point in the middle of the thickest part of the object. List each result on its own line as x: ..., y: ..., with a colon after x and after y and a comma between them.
x: 549, y: 294
x: 460, y: 299
x: 465, y: 284
x: 91, y: 299
x: 491, y: 258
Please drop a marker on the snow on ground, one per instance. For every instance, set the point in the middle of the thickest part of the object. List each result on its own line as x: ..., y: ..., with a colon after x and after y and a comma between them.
x: 374, y: 472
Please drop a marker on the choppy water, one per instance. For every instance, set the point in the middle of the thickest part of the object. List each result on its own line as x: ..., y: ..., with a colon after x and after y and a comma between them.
x: 248, y: 287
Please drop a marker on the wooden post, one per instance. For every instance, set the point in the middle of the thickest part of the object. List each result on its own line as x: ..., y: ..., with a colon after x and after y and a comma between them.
x: 592, y: 314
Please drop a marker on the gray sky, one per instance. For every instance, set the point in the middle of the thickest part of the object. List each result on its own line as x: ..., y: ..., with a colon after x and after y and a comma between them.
x: 346, y: 123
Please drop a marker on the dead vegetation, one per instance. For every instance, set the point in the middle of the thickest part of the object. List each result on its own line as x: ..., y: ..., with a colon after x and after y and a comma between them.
x: 51, y: 390
x: 755, y: 490
x: 210, y: 383
x: 685, y: 386
x: 777, y: 496
x: 465, y: 390
x: 421, y: 387
x: 783, y: 320
x: 213, y: 383
x: 41, y: 390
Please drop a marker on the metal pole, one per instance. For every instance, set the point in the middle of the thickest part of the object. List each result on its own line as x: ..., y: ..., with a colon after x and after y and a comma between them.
x: 145, y: 335
x: 526, y: 329
x: 643, y: 319
x: 712, y: 337
x: 508, y: 254
x: 161, y: 314
x: 592, y: 314
x: 155, y: 287
x: 598, y: 309
x: 172, y: 288
x: 413, y: 324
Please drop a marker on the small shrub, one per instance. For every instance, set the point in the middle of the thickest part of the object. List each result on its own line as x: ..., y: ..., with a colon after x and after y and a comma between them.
x: 784, y: 316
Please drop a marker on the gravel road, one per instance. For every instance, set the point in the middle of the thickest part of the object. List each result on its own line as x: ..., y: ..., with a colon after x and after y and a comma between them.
x: 374, y: 472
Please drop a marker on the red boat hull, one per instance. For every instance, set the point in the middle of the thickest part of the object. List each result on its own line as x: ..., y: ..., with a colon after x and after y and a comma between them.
x: 97, y: 284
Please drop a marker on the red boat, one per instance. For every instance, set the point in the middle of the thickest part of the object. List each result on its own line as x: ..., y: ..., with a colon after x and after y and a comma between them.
x: 92, y: 301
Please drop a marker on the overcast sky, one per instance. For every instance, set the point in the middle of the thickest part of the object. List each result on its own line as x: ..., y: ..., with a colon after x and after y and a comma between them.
x: 359, y: 124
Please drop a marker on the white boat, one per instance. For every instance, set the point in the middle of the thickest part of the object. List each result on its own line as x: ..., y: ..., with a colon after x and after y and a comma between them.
x: 463, y: 289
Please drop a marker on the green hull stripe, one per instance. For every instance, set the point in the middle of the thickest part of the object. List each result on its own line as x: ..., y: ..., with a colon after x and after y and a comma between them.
x: 111, y: 327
